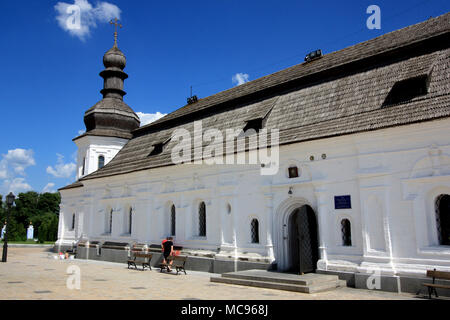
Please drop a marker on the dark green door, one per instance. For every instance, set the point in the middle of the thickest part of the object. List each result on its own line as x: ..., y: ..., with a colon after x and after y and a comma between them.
x: 303, y: 240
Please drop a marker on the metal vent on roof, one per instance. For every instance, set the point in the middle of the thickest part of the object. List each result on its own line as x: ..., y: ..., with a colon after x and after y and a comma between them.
x: 192, y: 100
x: 313, y: 55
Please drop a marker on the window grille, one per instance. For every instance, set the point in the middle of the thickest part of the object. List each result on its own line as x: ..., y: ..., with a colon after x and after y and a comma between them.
x: 202, y: 220
x: 346, y: 232
x: 255, y: 231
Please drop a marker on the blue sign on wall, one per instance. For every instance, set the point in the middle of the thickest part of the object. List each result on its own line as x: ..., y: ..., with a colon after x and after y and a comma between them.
x: 342, y: 202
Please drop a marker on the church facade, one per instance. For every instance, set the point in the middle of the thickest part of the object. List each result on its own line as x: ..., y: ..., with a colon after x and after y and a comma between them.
x: 362, y: 184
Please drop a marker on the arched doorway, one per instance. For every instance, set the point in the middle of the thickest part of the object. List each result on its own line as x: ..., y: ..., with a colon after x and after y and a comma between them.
x: 303, y: 246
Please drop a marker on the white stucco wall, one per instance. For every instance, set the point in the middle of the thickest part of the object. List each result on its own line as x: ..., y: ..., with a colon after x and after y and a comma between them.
x: 392, y: 175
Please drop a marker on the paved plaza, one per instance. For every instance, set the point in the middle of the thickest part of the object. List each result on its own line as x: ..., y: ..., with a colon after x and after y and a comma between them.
x: 32, y: 273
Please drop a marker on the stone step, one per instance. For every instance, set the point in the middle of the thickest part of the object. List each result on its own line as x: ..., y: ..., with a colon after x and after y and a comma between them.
x: 302, y: 280
x: 312, y: 288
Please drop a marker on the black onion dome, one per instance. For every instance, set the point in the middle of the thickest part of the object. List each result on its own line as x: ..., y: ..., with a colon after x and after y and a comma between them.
x: 114, y: 58
x: 111, y: 116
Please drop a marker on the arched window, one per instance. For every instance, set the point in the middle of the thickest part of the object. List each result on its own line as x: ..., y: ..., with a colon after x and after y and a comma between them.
x: 101, y: 162
x: 346, y: 232
x: 228, y: 208
x: 84, y: 166
x: 254, y: 228
x: 202, y: 220
x: 172, y: 220
x: 442, y: 207
x: 130, y: 220
x: 110, y: 221
x: 73, y: 222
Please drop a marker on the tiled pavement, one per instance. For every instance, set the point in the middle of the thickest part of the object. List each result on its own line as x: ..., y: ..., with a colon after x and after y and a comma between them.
x: 32, y: 273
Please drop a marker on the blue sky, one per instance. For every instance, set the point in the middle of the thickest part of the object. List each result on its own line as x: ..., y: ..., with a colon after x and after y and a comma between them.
x: 50, y: 77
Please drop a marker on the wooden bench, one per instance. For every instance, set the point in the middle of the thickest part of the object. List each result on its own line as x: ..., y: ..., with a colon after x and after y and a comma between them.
x: 178, y: 263
x: 144, y: 260
x: 436, y: 275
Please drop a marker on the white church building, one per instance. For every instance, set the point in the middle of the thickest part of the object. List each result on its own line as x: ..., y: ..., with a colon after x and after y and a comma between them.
x: 363, y: 179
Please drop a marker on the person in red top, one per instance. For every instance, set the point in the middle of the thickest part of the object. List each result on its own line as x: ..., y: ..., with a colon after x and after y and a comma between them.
x: 167, y: 249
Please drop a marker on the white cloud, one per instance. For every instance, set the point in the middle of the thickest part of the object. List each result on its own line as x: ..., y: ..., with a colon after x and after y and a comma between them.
x: 12, y: 164
x: 3, y: 169
x: 18, y: 160
x: 49, y: 188
x: 147, y: 118
x: 80, y: 132
x: 80, y: 17
x: 61, y: 169
x: 239, y: 78
x: 16, y: 186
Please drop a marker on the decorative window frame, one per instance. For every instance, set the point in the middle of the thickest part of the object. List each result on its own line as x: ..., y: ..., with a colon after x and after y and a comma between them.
x: 127, y: 224
x: 195, y: 219
x: 338, y: 231
x: 248, y: 231
x: 258, y: 231
x: 422, y: 192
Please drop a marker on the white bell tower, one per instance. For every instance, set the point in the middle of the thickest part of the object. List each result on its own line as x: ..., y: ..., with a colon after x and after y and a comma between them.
x: 110, y: 122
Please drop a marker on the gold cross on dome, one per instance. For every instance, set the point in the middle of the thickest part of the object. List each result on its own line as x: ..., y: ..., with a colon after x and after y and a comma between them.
x: 116, y: 24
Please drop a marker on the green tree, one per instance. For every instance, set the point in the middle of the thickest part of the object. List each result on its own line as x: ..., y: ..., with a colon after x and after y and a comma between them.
x: 49, y: 202
x: 26, y: 207
x: 16, y: 231
x: 40, y: 209
x: 48, y: 227
x: 2, y: 212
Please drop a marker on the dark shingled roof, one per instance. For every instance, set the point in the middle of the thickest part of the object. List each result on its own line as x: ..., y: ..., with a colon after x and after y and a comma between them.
x: 341, y: 93
x: 384, y: 43
x: 77, y: 184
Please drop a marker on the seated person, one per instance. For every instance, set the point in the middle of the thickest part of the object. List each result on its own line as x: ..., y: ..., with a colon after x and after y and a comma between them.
x: 167, y: 248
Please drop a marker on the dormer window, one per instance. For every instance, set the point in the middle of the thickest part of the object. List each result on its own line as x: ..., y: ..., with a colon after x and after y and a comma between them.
x: 158, y: 147
x: 407, y: 89
x: 255, y: 124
